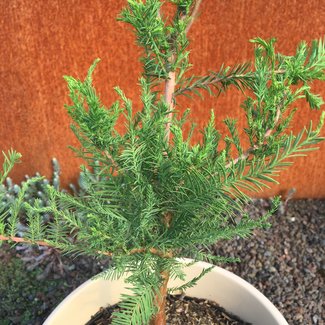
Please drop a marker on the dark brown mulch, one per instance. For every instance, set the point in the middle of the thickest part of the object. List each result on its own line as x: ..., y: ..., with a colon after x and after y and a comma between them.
x: 181, y: 310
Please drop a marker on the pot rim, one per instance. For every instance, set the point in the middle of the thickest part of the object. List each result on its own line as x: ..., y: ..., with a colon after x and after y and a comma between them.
x: 231, y: 277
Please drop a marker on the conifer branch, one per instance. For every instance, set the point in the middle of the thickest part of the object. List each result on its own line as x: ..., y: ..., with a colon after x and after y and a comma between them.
x: 239, y: 76
x: 153, y: 251
x: 267, y: 134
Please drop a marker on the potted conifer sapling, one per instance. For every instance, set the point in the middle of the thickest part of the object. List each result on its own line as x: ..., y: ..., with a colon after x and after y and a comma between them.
x: 161, y: 197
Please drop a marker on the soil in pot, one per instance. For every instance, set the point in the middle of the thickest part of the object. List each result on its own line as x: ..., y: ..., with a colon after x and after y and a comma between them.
x: 181, y: 310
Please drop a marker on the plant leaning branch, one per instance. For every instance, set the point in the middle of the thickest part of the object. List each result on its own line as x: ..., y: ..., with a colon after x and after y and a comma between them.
x: 238, y: 76
x: 158, y: 195
x: 19, y: 240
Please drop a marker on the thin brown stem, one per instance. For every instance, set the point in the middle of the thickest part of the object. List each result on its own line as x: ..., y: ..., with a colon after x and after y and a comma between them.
x: 242, y: 157
x: 167, y: 219
x: 169, y: 99
x: 24, y: 241
x: 153, y: 251
x: 193, y: 15
x: 276, y: 120
x: 109, y: 157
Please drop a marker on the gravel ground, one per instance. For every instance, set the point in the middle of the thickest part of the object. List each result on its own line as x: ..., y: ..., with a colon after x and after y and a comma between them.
x: 286, y: 263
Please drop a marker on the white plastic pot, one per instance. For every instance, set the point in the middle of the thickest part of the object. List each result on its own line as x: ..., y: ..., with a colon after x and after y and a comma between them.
x: 227, y: 289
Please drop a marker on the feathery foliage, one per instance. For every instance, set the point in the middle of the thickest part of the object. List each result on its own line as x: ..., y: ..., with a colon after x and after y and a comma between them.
x: 10, y: 159
x: 153, y: 196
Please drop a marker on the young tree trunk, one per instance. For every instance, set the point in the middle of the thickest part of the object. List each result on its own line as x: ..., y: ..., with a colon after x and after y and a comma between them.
x: 160, y: 300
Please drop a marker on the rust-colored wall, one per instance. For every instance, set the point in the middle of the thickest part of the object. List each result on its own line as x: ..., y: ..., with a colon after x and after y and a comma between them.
x: 43, y: 40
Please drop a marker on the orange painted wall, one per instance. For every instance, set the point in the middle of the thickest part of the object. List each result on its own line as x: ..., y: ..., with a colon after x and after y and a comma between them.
x: 42, y: 40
